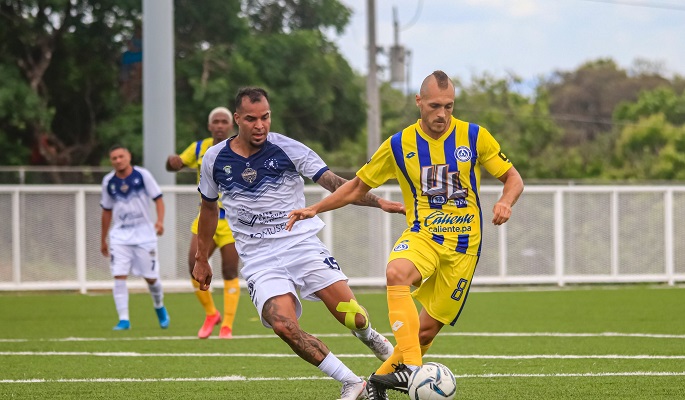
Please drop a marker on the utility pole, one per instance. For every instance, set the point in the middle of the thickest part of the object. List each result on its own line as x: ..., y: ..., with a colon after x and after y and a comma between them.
x: 377, y: 245
x: 373, y: 115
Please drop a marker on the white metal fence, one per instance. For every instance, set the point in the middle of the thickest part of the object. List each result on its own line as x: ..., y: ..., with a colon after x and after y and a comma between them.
x: 557, y: 235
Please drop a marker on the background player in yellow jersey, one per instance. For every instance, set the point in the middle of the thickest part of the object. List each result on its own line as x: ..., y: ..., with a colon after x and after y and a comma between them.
x: 220, y: 125
x: 437, y: 162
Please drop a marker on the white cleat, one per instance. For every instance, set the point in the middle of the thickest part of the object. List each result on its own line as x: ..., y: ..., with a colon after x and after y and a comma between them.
x: 379, y: 345
x: 353, y: 391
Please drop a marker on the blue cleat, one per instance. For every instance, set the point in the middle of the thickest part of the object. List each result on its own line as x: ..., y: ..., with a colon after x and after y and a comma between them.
x: 123, y: 325
x: 163, y: 317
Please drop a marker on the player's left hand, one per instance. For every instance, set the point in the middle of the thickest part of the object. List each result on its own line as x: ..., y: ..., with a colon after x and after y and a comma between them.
x: 159, y: 228
x: 202, y: 273
x: 392, y: 206
x: 502, y: 213
x: 297, y: 215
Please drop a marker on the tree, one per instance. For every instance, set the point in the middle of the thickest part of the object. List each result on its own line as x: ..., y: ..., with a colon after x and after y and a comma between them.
x: 45, y: 41
x: 651, y: 143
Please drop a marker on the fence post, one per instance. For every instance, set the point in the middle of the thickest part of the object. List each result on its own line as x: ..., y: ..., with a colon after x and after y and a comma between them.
x: 668, y: 232
x: 16, y: 238
x: 80, y: 213
x: 614, y: 232
x: 559, y: 236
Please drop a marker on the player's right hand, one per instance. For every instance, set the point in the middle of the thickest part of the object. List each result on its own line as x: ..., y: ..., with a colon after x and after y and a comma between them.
x: 297, y: 215
x: 202, y: 273
x: 104, y: 249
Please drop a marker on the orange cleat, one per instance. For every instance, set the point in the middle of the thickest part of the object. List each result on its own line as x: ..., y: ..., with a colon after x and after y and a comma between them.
x: 210, y: 322
x: 226, y: 332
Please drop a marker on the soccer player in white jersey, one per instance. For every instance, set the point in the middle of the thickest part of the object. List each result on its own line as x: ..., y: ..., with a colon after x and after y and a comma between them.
x: 258, y: 174
x: 132, y: 249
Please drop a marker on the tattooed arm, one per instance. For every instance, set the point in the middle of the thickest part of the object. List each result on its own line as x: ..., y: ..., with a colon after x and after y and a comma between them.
x: 332, y: 182
x: 343, y: 192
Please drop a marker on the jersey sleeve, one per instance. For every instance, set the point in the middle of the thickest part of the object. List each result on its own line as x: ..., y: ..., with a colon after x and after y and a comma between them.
x: 151, y: 187
x: 380, y: 168
x: 189, y: 157
x: 306, y: 161
x: 490, y: 154
x: 106, y: 201
x: 207, y: 187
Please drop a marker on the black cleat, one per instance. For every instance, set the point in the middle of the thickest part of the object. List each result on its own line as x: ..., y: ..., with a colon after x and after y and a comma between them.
x: 374, y: 392
x: 398, y: 380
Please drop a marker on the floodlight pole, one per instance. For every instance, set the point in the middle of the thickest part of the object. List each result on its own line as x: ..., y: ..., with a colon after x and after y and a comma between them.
x: 159, y: 113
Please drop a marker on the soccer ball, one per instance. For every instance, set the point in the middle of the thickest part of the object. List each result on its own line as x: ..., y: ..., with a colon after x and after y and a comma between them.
x: 433, y: 381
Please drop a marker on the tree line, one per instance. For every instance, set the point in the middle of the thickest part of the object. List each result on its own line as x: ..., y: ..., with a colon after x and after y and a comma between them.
x: 71, y: 73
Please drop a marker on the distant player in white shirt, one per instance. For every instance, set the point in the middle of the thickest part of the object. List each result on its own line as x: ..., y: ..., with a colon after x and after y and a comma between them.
x: 132, y: 249
x: 258, y: 174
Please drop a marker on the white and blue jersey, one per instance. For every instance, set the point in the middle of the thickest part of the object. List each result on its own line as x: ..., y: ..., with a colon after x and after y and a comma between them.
x: 129, y: 200
x: 258, y: 192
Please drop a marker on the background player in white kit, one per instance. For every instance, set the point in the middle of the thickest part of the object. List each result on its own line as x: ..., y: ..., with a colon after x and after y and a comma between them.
x: 126, y: 195
x: 258, y: 175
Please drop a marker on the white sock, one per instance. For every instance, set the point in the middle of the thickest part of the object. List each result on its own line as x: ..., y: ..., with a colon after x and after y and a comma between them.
x: 156, y: 293
x: 334, y: 368
x: 120, y: 293
x: 364, y: 333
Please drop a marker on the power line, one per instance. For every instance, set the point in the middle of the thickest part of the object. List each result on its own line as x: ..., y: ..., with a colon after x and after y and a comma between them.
x: 415, y: 18
x: 664, y: 6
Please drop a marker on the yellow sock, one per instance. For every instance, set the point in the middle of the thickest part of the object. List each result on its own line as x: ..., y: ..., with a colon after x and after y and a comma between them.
x: 231, y: 298
x: 205, y: 298
x: 396, y: 358
x: 404, y: 321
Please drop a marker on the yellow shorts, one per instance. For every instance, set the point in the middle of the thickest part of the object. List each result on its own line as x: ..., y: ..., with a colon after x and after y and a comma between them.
x: 223, y: 234
x: 446, y: 275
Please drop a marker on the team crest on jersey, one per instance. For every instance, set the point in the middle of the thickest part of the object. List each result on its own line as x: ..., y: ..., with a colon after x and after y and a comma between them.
x: 249, y: 174
x: 463, y: 154
x: 401, y: 246
x: 438, y: 200
x: 271, y: 163
x: 124, y: 187
x: 227, y: 170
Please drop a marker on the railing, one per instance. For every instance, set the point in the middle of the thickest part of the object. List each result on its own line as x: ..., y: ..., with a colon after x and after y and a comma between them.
x: 558, y: 235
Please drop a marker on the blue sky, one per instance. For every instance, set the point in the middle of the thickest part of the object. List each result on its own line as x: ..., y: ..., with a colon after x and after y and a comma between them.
x: 528, y: 38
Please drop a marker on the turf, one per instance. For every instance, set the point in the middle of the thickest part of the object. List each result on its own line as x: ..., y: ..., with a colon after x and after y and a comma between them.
x: 603, y: 342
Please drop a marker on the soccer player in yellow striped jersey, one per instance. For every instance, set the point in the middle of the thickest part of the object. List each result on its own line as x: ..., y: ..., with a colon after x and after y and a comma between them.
x: 437, y: 162
x: 220, y: 125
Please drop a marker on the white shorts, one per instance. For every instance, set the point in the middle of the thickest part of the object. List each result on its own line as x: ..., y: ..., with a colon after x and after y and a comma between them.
x: 134, y: 259
x: 306, y: 267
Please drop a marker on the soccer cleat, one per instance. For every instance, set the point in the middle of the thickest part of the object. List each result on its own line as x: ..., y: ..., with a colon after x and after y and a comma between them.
x: 373, y: 392
x: 226, y: 332
x: 379, y: 345
x: 163, y: 317
x: 123, y: 325
x: 208, y: 326
x: 353, y: 391
x: 398, y: 380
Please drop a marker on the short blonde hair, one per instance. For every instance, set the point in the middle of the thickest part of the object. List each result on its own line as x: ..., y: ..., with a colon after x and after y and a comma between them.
x: 223, y: 110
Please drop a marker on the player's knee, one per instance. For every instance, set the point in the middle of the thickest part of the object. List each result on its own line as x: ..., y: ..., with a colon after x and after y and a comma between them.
x: 396, y: 276
x: 356, y: 316
x: 229, y: 270
x: 285, y: 328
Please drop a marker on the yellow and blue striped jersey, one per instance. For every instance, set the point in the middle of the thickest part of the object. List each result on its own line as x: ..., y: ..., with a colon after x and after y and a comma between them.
x: 192, y: 158
x: 440, y: 179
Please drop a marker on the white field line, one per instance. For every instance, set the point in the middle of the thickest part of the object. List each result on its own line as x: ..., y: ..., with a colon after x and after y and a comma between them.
x: 345, y: 335
x: 234, y: 378
x: 290, y: 355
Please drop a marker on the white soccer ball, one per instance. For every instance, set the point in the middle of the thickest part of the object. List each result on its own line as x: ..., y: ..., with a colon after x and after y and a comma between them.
x: 433, y: 381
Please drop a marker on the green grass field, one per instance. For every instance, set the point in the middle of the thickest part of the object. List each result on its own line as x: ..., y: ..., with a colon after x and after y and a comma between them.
x: 609, y: 342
